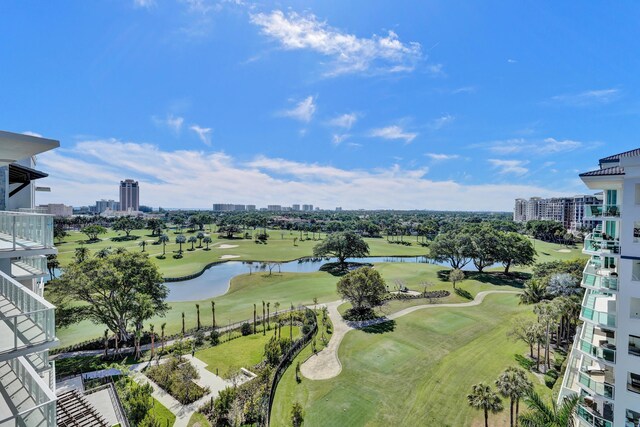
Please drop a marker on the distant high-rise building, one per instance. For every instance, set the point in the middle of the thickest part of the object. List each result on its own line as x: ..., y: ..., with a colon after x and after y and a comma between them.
x: 129, y: 195
x: 251, y: 207
x: 339, y: 209
x: 57, y: 209
x: 239, y: 208
x: 295, y: 207
x: 274, y: 208
x: 103, y: 205
x: 569, y: 211
x: 307, y: 208
x: 223, y: 207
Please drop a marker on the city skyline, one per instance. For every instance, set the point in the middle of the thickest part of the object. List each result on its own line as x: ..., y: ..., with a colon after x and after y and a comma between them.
x: 456, y: 103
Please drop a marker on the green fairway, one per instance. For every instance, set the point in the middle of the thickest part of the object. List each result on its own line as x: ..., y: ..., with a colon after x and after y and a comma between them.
x: 227, y: 358
x: 553, y: 252
x: 279, y: 247
x: 417, y: 374
x: 288, y: 288
x: 164, y: 416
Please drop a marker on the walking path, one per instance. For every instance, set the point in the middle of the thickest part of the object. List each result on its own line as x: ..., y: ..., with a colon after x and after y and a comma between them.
x: 184, y: 412
x: 326, y: 364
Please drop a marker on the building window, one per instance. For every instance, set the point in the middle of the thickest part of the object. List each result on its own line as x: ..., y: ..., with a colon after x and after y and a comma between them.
x: 635, y: 275
x: 633, y: 418
x: 633, y: 382
x: 634, y: 345
x: 635, y: 308
x: 637, y: 194
x: 636, y: 231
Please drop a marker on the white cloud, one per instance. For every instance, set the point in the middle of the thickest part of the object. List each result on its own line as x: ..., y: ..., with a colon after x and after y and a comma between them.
x: 441, y: 122
x: 144, y: 3
x: 442, y: 157
x: 303, y: 111
x: 589, y: 97
x: 515, y: 167
x: 172, y: 122
x: 338, y: 139
x: 80, y: 174
x: 28, y: 132
x: 512, y: 61
x: 344, y: 120
x: 394, y: 132
x: 349, y: 53
x: 464, y: 89
x: 539, y: 147
x: 203, y: 133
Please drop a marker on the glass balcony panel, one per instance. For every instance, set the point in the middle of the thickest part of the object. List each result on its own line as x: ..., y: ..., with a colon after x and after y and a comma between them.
x: 592, y: 418
x: 23, y: 231
x: 600, y: 388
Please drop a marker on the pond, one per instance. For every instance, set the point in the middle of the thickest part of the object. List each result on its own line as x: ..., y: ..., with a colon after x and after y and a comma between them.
x: 215, y: 280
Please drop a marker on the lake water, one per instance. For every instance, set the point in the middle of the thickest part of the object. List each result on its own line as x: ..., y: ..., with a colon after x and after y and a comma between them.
x: 215, y: 280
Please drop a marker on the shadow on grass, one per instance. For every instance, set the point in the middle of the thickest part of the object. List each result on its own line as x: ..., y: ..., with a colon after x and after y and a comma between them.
x: 381, y: 328
x: 124, y: 238
x: 514, y: 279
x: 337, y: 269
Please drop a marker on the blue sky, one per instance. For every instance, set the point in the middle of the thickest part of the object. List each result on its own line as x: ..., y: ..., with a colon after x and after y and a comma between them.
x: 359, y: 104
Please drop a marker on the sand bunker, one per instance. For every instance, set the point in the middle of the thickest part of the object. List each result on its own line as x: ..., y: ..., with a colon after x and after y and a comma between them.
x: 229, y: 256
x: 564, y: 251
x: 227, y: 246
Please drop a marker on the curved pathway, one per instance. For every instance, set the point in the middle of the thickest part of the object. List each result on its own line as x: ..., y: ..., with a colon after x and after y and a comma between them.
x: 326, y: 363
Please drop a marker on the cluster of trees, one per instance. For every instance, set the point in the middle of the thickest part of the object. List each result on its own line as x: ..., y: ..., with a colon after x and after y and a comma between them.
x: 513, y: 384
x: 549, y: 231
x: 364, y: 288
x: 176, y: 376
x: 484, y: 245
x: 342, y: 245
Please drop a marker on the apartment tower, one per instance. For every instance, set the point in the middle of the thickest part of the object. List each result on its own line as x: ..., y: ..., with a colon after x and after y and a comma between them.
x: 129, y: 195
x: 604, y: 363
x: 27, y: 320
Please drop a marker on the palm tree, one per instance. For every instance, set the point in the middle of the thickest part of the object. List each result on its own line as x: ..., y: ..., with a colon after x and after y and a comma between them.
x: 164, y: 325
x: 540, y: 414
x: 213, y: 313
x: 276, y: 305
x: 200, y: 236
x: 192, y: 240
x: 268, y: 322
x: 164, y: 239
x: 198, y: 316
x: 153, y: 339
x: 534, y: 292
x: 254, y: 319
x: 183, y: 323
x: 52, y: 264
x: 180, y: 239
x: 483, y: 397
x: 143, y: 244
x: 264, y: 330
x: 81, y: 254
x: 106, y: 342
x: 207, y: 240
x: 513, y: 384
x: 547, y: 314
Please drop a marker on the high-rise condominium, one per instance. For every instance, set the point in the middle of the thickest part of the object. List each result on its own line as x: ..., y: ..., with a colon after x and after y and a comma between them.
x: 129, y: 195
x: 604, y: 364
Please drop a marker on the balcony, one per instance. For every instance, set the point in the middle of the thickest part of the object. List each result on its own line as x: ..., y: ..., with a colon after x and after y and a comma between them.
x: 29, y: 267
x: 599, y: 309
x: 27, y: 321
x: 596, y: 244
x: 602, y: 211
x: 598, y: 381
x: 597, y: 344
x: 595, y: 277
x: 28, y: 401
x: 592, y: 417
x: 20, y: 231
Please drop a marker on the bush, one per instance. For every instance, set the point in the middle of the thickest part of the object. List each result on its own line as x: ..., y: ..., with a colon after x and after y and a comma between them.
x: 463, y: 293
x: 176, y: 378
x: 245, y: 329
x: 198, y: 337
x: 214, y: 337
x: 550, y: 380
x: 364, y: 313
x: 527, y: 364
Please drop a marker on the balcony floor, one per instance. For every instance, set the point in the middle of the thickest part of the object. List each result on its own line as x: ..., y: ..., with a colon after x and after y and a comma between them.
x: 21, y: 270
x: 15, y: 397
x: 28, y: 331
x: 6, y: 243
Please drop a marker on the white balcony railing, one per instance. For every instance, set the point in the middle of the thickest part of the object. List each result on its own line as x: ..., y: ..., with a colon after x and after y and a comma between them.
x: 596, y: 244
x: 37, y: 402
x: 595, y: 309
x: 22, y: 231
x: 599, y: 278
x: 26, y: 318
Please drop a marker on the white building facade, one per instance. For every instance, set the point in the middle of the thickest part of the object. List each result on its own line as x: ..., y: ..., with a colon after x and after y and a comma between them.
x: 604, y: 364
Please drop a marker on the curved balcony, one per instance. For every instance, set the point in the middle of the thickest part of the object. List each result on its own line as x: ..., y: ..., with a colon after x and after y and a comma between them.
x: 596, y: 244
x: 605, y: 279
x: 595, y: 382
x: 599, y: 309
x: 592, y: 418
x: 596, y: 345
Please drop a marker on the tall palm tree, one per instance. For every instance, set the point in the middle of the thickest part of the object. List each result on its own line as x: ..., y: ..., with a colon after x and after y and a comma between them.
x: 164, y: 239
x: 547, y: 315
x: 513, y: 384
x: 81, y: 254
x: 164, y: 325
x: 198, y: 317
x: 483, y: 397
x: 180, y: 239
x: 52, y: 264
x: 192, y: 240
x: 264, y: 330
x: 213, y: 313
x: 183, y: 323
x: 268, y: 322
x: 534, y: 291
x: 200, y: 236
x: 143, y: 244
x: 540, y: 414
x: 207, y: 240
x: 153, y: 338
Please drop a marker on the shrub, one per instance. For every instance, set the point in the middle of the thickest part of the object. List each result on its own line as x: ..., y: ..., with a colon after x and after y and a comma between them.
x: 549, y: 380
x: 136, y: 399
x: 524, y: 362
x: 364, y: 313
x: 214, y: 337
x: 176, y: 377
x: 464, y: 293
x: 245, y: 329
x: 198, y: 337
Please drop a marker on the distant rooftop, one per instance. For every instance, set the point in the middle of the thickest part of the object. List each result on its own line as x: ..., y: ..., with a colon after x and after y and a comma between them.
x: 615, y: 170
x: 617, y: 157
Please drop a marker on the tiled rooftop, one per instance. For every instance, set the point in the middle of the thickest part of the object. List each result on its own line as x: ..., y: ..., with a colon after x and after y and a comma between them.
x: 616, y: 170
x: 617, y: 157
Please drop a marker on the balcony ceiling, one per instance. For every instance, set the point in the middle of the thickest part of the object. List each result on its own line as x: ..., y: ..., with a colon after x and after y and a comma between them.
x: 16, y: 146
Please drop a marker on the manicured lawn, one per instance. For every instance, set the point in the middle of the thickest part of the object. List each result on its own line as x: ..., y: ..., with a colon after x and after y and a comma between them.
x: 198, y: 420
x: 227, y: 358
x: 417, y: 374
x: 279, y: 247
x: 289, y: 288
x: 552, y: 252
x: 162, y: 414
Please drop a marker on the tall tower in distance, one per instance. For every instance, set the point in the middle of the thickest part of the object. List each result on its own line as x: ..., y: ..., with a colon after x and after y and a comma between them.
x: 129, y: 195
